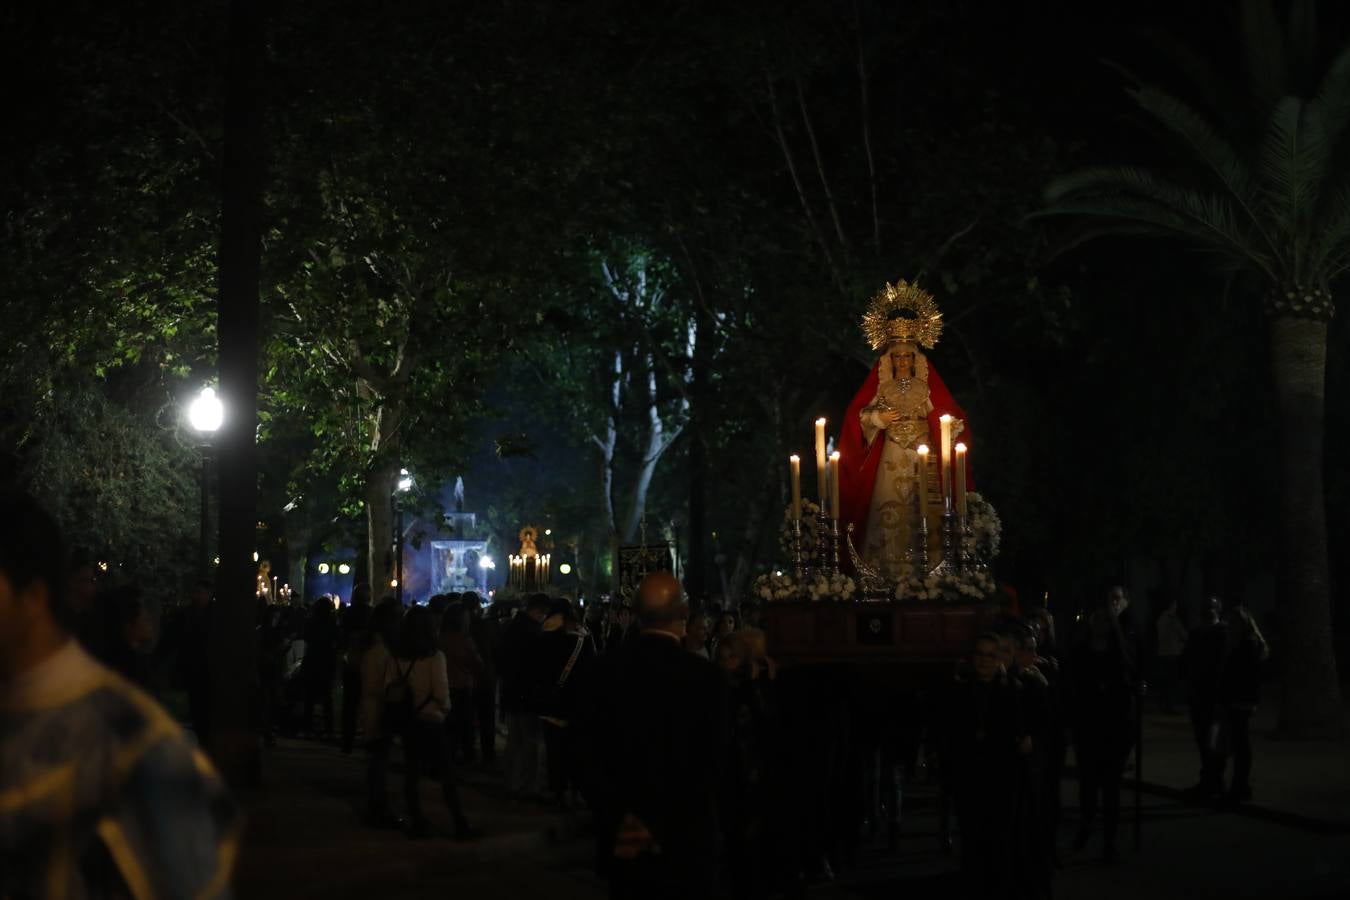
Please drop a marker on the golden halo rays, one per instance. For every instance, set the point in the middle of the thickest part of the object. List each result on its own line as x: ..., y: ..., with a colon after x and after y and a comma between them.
x: 918, y: 320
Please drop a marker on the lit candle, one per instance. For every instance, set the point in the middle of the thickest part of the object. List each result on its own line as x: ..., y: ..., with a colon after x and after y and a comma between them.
x: 946, y: 476
x: 820, y: 461
x: 834, y: 485
x: 923, y: 480
x: 961, y: 480
x: 796, y: 462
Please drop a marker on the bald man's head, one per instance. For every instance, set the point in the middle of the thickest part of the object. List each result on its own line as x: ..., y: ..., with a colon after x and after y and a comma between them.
x: 660, y: 604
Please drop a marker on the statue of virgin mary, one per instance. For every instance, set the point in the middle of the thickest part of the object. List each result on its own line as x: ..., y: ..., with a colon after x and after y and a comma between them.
x: 897, y: 410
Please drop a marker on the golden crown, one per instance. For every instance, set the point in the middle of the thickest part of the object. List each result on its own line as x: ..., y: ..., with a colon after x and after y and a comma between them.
x: 902, y: 312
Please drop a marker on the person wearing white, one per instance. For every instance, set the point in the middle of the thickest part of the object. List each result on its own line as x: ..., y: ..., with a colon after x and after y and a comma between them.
x: 383, y: 629
x: 416, y: 675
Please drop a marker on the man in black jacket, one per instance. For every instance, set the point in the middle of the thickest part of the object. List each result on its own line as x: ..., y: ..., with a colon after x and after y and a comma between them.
x: 1202, y: 666
x: 516, y: 667
x: 668, y: 746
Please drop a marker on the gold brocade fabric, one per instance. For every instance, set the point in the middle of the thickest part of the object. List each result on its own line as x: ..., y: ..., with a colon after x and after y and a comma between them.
x: 893, y: 512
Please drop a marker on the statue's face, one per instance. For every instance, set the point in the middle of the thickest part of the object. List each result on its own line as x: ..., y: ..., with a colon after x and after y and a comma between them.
x: 902, y: 358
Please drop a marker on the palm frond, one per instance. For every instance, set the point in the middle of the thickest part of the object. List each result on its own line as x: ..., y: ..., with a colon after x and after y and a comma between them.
x: 1137, y: 202
x: 1215, y: 94
x: 1263, y: 48
x: 1294, y: 158
x: 1331, y: 249
x: 1217, y: 155
x: 1334, y: 95
x: 1212, y: 213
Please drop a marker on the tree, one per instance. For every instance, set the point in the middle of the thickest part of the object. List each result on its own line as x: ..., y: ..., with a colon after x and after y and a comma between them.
x: 1263, y: 194
x: 233, y: 741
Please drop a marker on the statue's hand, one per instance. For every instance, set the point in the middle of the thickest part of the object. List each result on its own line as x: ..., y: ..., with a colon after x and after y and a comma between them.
x: 889, y: 417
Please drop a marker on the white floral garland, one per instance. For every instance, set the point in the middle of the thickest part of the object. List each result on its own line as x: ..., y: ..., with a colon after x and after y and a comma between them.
x: 984, y: 529
x: 816, y: 588
x: 983, y: 535
x: 974, y: 583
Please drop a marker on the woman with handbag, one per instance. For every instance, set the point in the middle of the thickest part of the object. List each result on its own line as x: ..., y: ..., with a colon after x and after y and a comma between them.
x: 417, y: 699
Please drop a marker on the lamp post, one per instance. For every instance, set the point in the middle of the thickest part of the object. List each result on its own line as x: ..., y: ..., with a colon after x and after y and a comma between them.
x: 486, y: 564
x: 205, y: 414
x: 405, y: 484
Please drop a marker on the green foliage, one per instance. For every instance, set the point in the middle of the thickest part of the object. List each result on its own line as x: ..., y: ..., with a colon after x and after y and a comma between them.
x: 1273, y: 207
x: 118, y: 475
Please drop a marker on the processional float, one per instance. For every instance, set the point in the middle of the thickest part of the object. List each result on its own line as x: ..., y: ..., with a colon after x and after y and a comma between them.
x: 892, y: 558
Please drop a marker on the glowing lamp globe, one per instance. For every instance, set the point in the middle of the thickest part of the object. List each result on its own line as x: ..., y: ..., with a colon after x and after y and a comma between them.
x: 565, y: 568
x: 206, y: 413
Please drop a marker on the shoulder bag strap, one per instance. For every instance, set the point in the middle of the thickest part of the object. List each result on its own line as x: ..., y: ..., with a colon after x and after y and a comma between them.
x: 572, y: 661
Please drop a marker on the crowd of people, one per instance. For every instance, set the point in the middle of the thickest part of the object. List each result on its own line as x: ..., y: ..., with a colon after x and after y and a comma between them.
x: 700, y: 762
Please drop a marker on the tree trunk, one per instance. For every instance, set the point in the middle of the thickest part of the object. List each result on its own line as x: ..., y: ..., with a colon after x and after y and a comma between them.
x: 695, y: 576
x: 233, y: 663
x: 1311, y: 690
x: 379, y: 494
x: 297, y: 560
x: 657, y: 444
x: 607, y: 446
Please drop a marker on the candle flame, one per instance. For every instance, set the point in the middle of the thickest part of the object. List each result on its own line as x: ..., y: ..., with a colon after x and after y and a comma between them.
x: 820, y: 421
x: 834, y: 457
x: 923, y: 450
x: 960, y: 448
x: 945, y: 417
x: 794, y: 458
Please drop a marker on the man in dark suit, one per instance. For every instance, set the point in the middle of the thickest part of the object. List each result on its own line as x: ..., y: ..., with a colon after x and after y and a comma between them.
x: 515, y: 667
x: 668, y: 744
x: 1202, y: 666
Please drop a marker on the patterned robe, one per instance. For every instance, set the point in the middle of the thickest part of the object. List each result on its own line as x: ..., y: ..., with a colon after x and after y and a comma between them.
x: 102, y: 795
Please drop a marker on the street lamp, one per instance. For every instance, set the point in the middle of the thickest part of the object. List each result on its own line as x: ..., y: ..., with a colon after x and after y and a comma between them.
x: 486, y: 564
x: 405, y: 484
x: 205, y: 414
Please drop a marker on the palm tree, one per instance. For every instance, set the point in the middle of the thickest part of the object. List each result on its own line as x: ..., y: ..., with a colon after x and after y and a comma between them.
x: 1263, y: 188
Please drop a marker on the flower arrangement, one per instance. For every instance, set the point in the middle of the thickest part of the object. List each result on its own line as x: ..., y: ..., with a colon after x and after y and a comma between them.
x: 812, y: 541
x: 834, y: 587
x: 817, y: 588
x: 775, y: 586
x: 983, y: 534
x: 975, y: 583
x: 984, y: 529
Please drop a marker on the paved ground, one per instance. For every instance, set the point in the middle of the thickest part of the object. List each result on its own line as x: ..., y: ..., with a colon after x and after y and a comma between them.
x: 1292, y: 842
